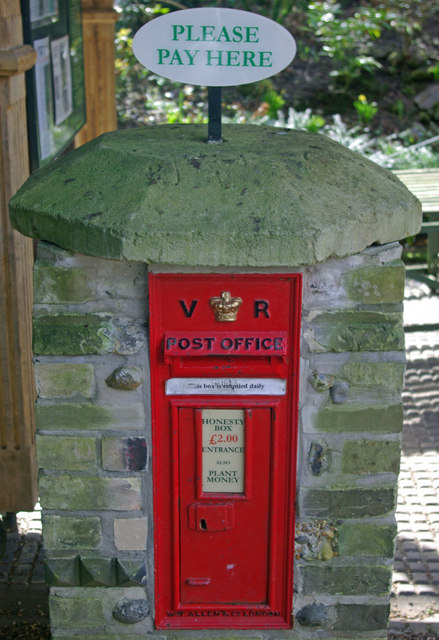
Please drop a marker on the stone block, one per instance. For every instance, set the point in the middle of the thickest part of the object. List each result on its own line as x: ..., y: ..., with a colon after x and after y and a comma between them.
x: 92, y: 609
x: 124, y: 454
x: 346, y: 580
x: 339, y: 392
x: 58, y: 285
x: 355, y: 330
x: 131, y: 572
x: 359, y: 417
x: 121, y: 280
x: 348, y: 503
x: 64, y: 380
x: 80, y: 492
x: 65, y: 533
x: 376, y: 285
x: 319, y: 457
x: 371, y: 456
x: 345, y: 617
x: 125, y: 378
x: 73, y: 334
x: 321, y: 202
x: 86, y: 334
x: 65, y: 452
x: 62, y: 572
x: 130, y: 611
x: 98, y: 571
x: 361, y: 617
x: 314, y: 615
x: 130, y: 534
x: 375, y: 375
x: 356, y: 539
x: 89, y: 416
x: 48, y: 253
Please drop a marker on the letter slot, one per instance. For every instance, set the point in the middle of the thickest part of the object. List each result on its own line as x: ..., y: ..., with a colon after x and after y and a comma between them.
x: 210, y: 517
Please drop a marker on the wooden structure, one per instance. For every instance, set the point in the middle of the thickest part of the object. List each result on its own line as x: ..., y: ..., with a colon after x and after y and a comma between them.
x: 98, y: 19
x: 17, y: 454
x: 424, y: 183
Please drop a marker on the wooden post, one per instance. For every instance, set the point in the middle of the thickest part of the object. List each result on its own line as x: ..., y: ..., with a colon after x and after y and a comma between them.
x: 17, y: 450
x: 98, y: 18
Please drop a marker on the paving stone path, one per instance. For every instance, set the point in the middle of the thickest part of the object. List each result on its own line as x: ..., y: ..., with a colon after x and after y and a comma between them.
x: 415, y: 597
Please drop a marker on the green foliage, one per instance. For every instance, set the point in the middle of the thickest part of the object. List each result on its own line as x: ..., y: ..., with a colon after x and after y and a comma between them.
x: 396, y: 151
x: 398, y: 108
x: 365, y: 110
x: 434, y: 71
x: 277, y: 10
x: 408, y: 17
x: 348, y: 40
x: 275, y: 102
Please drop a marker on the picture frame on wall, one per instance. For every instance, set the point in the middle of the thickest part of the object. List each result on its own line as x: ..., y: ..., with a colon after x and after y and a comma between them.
x: 55, y: 92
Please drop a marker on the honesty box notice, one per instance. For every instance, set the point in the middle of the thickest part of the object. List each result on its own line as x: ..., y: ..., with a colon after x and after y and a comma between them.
x: 214, y: 46
x: 223, y: 449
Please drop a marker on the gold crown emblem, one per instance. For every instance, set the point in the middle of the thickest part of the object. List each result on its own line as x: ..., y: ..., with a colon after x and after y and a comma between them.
x: 225, y: 307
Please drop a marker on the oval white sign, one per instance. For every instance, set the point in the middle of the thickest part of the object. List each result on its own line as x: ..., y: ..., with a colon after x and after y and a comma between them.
x: 214, y: 47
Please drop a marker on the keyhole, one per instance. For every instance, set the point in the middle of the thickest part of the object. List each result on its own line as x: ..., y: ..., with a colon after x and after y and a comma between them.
x: 203, y: 524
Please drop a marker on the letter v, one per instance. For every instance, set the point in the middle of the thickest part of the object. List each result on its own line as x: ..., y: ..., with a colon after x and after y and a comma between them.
x: 188, y: 312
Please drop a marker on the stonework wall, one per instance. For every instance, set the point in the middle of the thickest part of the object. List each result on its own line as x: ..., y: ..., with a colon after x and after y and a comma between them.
x: 349, y: 442
x: 93, y: 445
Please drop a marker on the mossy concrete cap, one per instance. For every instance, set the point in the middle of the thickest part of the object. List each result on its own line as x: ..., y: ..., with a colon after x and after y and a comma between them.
x: 265, y: 197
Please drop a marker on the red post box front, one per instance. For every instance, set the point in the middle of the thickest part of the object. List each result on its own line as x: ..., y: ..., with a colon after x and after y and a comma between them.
x: 224, y: 372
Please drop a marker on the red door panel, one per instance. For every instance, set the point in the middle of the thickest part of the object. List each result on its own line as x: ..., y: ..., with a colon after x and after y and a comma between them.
x: 232, y: 559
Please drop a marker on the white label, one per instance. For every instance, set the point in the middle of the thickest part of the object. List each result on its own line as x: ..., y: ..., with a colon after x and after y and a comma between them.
x: 43, y: 82
x: 62, y: 78
x: 223, y: 450
x: 214, y: 46
x: 226, y: 386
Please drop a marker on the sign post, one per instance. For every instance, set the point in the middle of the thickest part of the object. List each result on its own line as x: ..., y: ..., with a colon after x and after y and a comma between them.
x: 214, y: 114
x: 215, y: 48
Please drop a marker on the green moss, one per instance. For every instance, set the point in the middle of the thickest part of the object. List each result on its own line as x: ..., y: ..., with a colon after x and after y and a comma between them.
x: 371, y: 456
x: 348, y: 503
x: 376, y: 375
x: 356, y: 539
x: 80, y: 492
x: 89, y: 416
x: 155, y: 194
x: 73, y: 334
x: 72, y: 416
x: 355, y: 330
x: 69, y: 453
x: 56, y: 285
x: 360, y: 417
x: 373, y: 285
x: 62, y: 380
x: 67, y: 533
x: 347, y: 580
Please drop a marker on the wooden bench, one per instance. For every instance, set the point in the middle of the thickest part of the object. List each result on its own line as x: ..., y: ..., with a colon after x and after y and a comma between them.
x: 424, y: 183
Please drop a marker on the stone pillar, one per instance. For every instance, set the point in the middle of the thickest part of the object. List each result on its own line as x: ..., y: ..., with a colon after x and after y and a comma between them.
x: 98, y: 18
x: 168, y: 202
x: 17, y: 454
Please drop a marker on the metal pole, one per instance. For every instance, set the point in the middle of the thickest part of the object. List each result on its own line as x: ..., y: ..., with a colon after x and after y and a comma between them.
x: 214, y: 114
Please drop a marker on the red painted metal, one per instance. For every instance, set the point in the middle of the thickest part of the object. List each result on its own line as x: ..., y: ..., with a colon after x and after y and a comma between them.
x: 224, y: 343
x: 224, y: 559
